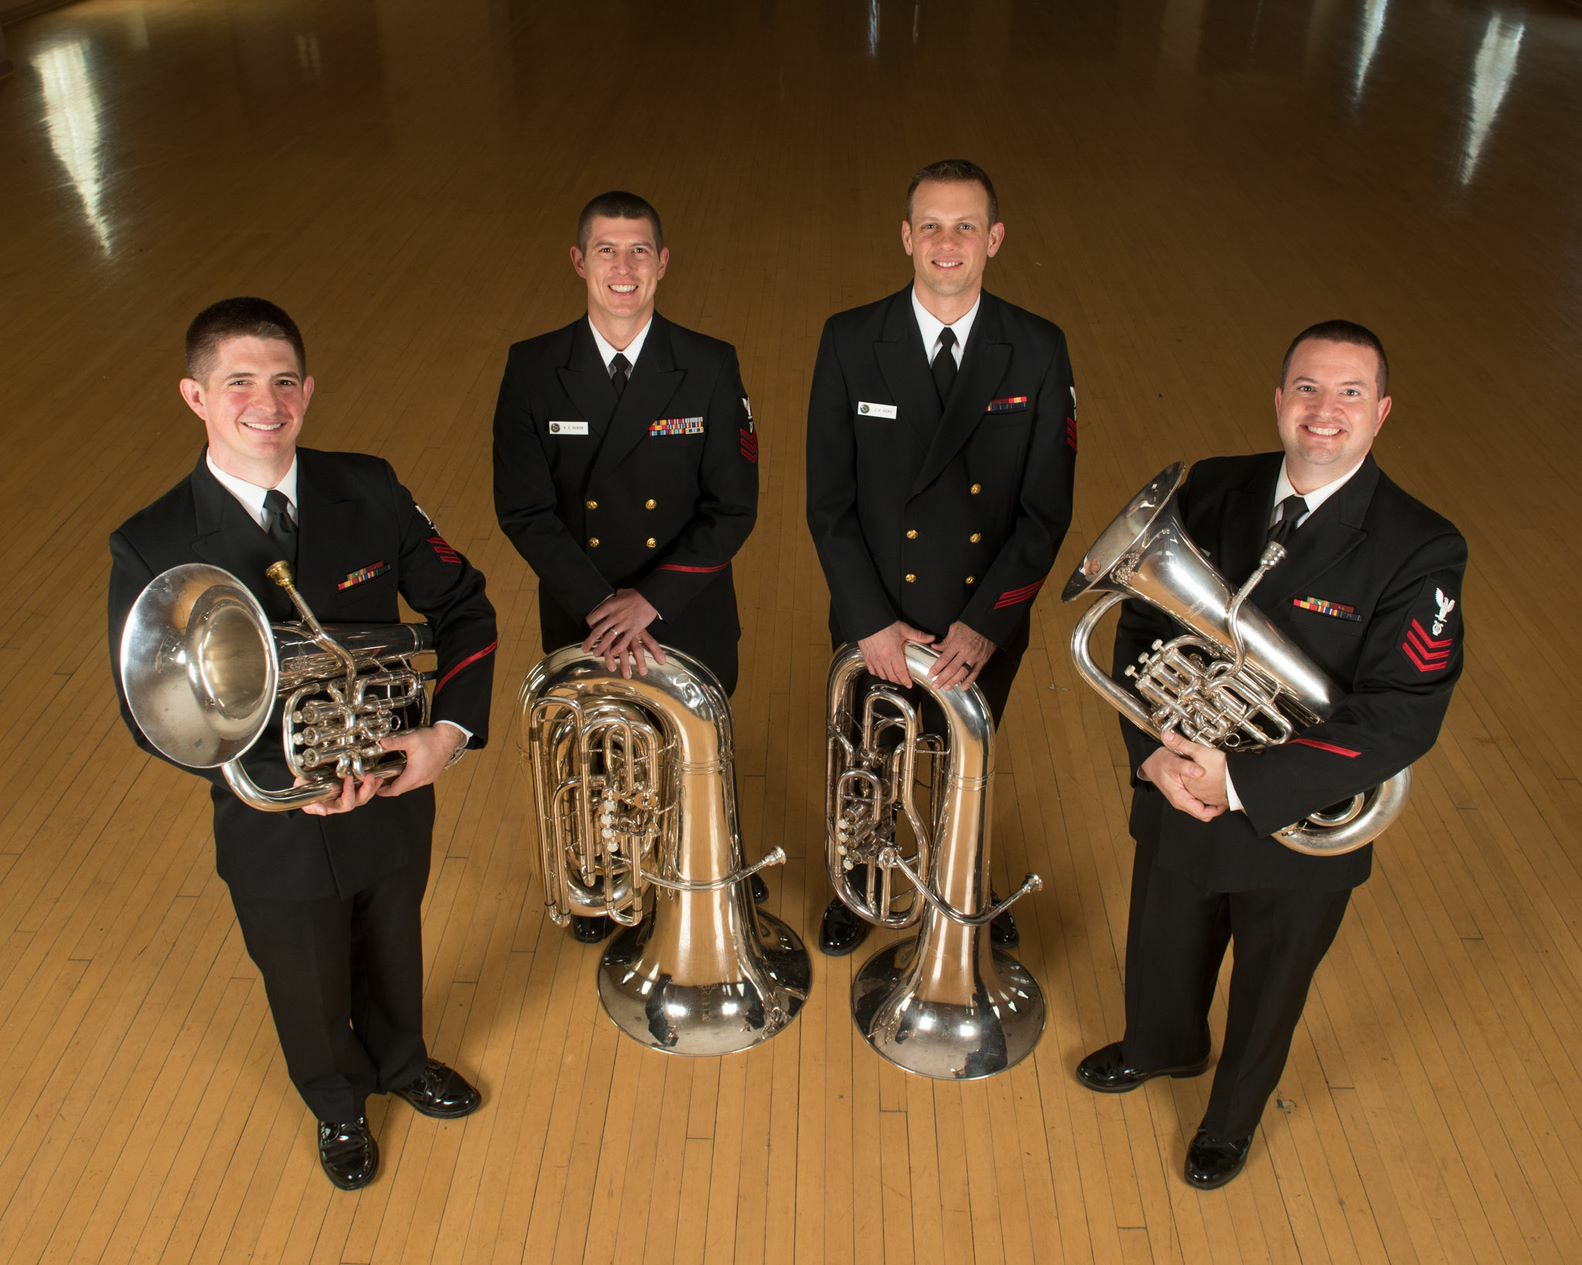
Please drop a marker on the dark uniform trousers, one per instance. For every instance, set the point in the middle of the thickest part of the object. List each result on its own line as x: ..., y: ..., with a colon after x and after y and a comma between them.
x: 329, y: 907
x: 654, y: 491
x: 1370, y: 590
x: 933, y: 513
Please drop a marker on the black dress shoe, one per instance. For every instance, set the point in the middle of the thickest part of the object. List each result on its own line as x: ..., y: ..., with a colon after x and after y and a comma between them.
x: 1212, y: 1161
x: 590, y: 930
x: 1002, y: 931
x: 1106, y: 1071
x: 841, y: 930
x: 348, y: 1152
x: 441, y: 1092
x: 760, y: 890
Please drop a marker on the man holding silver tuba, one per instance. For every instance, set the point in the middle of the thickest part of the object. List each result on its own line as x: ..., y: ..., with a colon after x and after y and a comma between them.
x: 626, y: 467
x: 1370, y: 589
x: 327, y: 897
x: 941, y: 453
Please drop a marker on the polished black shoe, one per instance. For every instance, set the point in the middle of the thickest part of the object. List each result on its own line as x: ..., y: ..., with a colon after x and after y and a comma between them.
x: 441, y: 1092
x: 590, y: 930
x: 760, y: 890
x: 841, y: 930
x: 1211, y: 1161
x: 1106, y: 1071
x: 348, y: 1152
x: 1002, y: 931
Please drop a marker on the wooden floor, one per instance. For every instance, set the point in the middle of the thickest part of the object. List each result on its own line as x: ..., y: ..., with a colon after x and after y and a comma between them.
x: 1185, y: 183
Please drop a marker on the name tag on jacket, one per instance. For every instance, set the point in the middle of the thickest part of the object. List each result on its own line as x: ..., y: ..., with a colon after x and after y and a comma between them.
x: 568, y: 428
x: 676, y: 426
x: 875, y: 410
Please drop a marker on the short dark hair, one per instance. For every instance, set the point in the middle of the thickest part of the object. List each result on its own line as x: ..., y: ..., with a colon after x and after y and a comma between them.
x: 955, y: 171
x: 617, y: 204
x: 1341, y: 332
x: 239, y: 318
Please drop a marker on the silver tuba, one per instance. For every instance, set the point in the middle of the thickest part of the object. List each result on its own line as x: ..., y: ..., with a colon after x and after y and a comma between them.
x: 944, y: 1003
x: 1232, y: 680
x: 202, y: 669
x: 636, y: 800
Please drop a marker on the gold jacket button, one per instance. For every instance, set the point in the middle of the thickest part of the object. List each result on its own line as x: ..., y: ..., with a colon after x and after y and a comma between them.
x: 912, y: 535
x: 972, y: 579
x: 593, y: 505
x: 910, y: 578
x: 593, y: 542
x: 651, y: 543
x: 975, y: 537
x: 650, y: 504
x: 976, y: 488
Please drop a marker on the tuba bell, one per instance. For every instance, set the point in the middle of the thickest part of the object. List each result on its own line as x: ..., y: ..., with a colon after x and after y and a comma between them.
x: 636, y: 803
x: 203, y: 669
x: 1232, y: 680
x: 910, y: 811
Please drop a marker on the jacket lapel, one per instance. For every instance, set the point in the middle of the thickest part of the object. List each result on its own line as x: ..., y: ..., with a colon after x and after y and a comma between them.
x: 903, y: 363
x: 983, y: 367
x: 1331, y: 532
x: 325, y: 514
x: 585, y: 379
x: 226, y: 536
x: 1245, y: 525
x: 654, y: 382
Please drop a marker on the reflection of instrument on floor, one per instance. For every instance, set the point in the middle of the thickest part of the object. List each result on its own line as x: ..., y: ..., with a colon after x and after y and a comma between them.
x: 1233, y: 680
x: 946, y: 1003
x: 202, y: 669
x: 635, y: 794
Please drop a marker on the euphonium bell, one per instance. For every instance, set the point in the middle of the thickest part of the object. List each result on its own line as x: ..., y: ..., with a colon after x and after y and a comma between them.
x: 945, y: 1003
x: 1232, y: 680
x: 203, y: 668
x: 636, y: 803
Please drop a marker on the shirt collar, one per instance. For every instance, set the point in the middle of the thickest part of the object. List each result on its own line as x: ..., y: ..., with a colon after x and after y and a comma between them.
x: 631, y: 351
x: 929, y: 325
x: 251, y: 495
x: 1315, y: 498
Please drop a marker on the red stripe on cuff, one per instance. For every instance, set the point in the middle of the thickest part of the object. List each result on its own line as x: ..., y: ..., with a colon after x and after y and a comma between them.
x: 1325, y: 746
x: 465, y: 663
x: 1015, y: 597
x: 672, y: 566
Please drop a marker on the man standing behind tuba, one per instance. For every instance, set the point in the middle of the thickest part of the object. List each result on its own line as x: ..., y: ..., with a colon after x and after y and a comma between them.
x: 626, y: 467
x: 941, y: 450
x: 328, y: 898
x: 1370, y: 588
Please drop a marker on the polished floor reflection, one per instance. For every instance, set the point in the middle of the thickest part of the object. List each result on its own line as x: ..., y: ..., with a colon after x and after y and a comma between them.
x: 1184, y: 184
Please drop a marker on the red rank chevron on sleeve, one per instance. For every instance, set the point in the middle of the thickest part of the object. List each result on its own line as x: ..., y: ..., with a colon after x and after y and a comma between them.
x: 1426, y: 653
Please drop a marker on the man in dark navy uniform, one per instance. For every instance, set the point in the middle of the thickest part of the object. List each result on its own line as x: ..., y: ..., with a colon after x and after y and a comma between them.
x: 941, y: 454
x: 328, y: 898
x: 626, y: 466
x: 1370, y: 589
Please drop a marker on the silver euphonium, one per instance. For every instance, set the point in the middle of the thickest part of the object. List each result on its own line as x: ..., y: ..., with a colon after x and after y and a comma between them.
x: 944, y: 1003
x: 203, y: 668
x: 636, y: 803
x: 1232, y: 680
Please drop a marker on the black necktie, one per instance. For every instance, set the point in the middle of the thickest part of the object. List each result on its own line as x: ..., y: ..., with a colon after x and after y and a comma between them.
x: 1291, y: 509
x: 620, y: 366
x: 277, y: 522
x: 945, y: 364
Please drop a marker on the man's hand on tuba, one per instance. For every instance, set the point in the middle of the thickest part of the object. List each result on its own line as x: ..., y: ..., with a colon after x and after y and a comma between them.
x: 1183, y: 779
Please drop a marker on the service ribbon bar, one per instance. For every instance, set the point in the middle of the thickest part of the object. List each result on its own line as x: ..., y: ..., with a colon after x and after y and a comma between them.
x: 1322, y: 606
x: 676, y: 426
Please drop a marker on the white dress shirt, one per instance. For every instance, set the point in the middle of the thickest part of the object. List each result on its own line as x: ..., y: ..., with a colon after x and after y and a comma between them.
x: 930, y: 327
x: 631, y: 351
x: 252, y: 496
